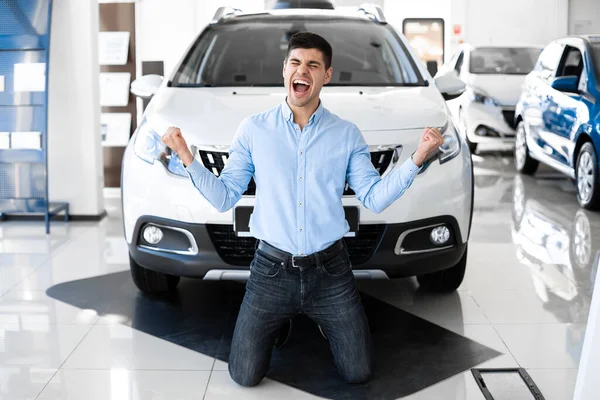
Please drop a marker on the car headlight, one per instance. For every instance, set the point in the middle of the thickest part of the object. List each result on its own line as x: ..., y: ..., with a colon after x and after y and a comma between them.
x: 451, y: 146
x: 448, y: 150
x: 477, y: 97
x: 149, y: 147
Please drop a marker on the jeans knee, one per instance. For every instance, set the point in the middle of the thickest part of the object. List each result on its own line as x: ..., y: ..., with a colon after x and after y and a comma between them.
x: 244, y: 377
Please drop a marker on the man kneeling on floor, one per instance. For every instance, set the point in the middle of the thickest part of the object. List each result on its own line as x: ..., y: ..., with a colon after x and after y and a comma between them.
x: 301, y: 263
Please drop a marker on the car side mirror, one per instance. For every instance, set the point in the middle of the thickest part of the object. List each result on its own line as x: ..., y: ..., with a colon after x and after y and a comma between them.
x: 565, y: 84
x: 432, y: 67
x: 450, y: 85
x: 146, y: 86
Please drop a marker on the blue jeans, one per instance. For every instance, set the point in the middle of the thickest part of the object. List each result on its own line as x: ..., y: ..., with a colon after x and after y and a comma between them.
x: 275, y: 293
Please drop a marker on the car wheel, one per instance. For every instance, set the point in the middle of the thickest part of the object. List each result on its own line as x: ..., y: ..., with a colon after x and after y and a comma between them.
x: 446, y: 280
x: 463, y: 126
x: 588, y: 190
x: 524, y: 163
x: 152, y: 282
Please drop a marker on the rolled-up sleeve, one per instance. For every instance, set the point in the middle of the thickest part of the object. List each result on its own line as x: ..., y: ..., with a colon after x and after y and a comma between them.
x: 374, y: 192
x: 225, y: 191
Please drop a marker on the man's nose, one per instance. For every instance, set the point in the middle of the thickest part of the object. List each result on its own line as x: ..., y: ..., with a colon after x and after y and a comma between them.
x: 301, y: 69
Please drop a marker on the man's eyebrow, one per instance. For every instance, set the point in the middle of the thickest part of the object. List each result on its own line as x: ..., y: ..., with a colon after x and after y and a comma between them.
x: 310, y: 62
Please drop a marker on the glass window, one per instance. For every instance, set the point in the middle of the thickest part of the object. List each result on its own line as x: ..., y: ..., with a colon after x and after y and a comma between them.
x: 595, y: 52
x: 250, y: 52
x: 459, y: 62
x: 549, y: 59
x: 503, y: 60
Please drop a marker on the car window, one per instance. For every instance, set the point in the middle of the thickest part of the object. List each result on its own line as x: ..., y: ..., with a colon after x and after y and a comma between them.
x: 595, y: 52
x: 548, y: 61
x: 251, y: 53
x: 572, y: 63
x: 459, y: 62
x: 503, y: 60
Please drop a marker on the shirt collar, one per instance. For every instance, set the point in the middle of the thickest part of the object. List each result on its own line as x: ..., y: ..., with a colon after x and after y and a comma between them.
x: 289, y: 115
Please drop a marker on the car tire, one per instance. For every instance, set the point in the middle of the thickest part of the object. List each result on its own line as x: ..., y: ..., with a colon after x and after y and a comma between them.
x: 581, y: 248
x: 446, y: 280
x: 463, y: 125
x: 524, y: 163
x: 152, y: 282
x: 586, y: 177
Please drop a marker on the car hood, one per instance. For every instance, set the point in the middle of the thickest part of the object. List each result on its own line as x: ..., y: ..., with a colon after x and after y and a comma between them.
x: 504, y: 88
x: 212, y: 115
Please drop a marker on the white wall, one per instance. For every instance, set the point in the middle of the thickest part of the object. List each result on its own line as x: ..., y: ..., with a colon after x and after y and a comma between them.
x: 514, y: 21
x: 74, y: 144
x: 584, y: 17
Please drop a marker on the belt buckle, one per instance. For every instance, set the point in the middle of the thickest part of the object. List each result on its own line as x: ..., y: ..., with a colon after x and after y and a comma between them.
x: 294, y: 261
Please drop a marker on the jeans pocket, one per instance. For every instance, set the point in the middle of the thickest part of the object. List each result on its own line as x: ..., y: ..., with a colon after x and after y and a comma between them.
x: 338, y: 266
x: 264, y: 266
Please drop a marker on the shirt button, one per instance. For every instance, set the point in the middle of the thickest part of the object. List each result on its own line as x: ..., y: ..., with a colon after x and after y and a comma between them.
x: 300, y: 204
x: 300, y: 229
x: 300, y: 177
x: 301, y: 152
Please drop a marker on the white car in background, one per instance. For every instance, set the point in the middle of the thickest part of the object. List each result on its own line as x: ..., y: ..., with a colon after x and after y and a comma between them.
x: 234, y: 69
x: 485, y: 113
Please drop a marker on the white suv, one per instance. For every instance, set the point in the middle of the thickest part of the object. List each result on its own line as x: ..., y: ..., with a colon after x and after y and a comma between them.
x: 234, y: 69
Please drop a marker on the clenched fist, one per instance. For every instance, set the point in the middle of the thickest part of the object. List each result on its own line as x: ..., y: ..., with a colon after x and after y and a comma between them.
x: 430, y: 142
x: 174, y: 139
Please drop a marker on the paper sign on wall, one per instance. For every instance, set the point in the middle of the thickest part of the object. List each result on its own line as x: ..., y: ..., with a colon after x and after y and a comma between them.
x: 26, y: 140
x: 4, y: 140
x: 114, y: 89
x: 30, y: 77
x: 113, y: 48
x: 115, y: 128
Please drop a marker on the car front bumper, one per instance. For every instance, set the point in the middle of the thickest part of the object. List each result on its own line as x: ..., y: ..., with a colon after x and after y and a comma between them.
x: 486, y: 124
x: 213, y: 251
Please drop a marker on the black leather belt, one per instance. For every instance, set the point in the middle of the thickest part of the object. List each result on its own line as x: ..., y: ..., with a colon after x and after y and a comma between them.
x: 303, y: 261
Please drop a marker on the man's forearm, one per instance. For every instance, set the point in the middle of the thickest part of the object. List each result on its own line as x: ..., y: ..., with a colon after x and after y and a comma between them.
x: 213, y: 189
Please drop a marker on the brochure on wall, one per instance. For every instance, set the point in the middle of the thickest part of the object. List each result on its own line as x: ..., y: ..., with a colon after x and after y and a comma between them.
x: 4, y: 140
x: 114, y: 89
x: 113, y: 48
x: 26, y: 140
x: 30, y: 77
x: 115, y: 128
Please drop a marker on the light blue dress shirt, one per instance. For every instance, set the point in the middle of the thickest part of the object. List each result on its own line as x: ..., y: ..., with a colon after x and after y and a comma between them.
x: 300, y: 176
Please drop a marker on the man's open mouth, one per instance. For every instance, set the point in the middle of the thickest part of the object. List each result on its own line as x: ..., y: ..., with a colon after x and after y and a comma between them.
x: 301, y: 86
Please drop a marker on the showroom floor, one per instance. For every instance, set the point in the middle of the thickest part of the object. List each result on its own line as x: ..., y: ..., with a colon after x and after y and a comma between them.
x: 73, y: 327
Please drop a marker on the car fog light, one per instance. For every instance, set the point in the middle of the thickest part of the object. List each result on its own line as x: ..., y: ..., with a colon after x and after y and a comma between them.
x: 153, y: 234
x: 440, y: 235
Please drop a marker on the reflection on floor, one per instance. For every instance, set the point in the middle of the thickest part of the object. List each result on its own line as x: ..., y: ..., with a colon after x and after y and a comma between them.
x: 533, y: 258
x: 410, y: 353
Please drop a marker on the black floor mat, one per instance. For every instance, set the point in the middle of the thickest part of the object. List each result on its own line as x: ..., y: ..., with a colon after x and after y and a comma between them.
x: 410, y: 353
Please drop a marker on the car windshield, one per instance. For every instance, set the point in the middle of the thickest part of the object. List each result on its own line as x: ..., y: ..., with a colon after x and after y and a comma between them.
x: 250, y: 52
x: 595, y: 46
x: 503, y: 60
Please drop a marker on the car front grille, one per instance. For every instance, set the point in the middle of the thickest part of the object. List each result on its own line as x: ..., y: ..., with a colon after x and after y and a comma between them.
x: 239, y: 251
x: 215, y: 162
x: 509, y: 116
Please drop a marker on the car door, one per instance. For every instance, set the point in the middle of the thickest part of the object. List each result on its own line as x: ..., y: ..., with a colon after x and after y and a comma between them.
x: 572, y: 108
x: 538, y: 112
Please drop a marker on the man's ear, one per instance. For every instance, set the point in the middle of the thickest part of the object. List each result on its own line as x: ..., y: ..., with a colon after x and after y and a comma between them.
x: 328, y: 75
x: 283, y: 71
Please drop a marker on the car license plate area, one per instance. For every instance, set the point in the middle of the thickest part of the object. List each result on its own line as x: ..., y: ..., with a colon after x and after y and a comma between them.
x: 241, y: 220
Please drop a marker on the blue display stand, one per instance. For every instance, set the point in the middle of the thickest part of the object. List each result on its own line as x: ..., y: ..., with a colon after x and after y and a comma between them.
x: 24, y: 56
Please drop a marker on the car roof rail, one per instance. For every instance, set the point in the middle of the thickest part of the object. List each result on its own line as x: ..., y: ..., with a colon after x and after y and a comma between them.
x: 225, y: 13
x: 373, y: 11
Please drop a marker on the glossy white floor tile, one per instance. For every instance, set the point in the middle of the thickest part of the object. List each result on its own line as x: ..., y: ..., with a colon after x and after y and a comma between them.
x: 123, y: 384
x: 36, y: 343
x: 222, y: 387
x: 10, y: 276
x: 118, y: 346
x: 544, y: 345
x: 555, y: 384
x: 23, y: 383
x: 35, y: 305
x: 459, y: 387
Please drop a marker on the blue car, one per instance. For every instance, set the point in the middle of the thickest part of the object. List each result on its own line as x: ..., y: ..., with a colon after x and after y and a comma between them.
x: 558, y: 115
